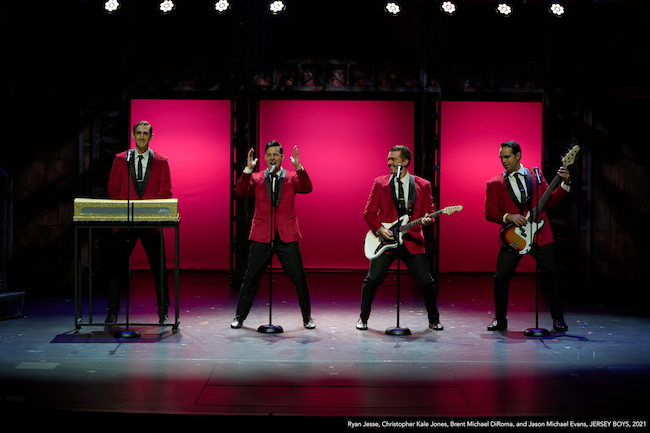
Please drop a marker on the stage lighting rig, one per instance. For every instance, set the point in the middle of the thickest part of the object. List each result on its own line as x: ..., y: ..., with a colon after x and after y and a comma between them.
x: 277, y: 6
x: 221, y: 6
x: 111, y: 6
x: 392, y: 8
x: 448, y: 7
x: 167, y: 6
x: 556, y: 9
x: 504, y: 9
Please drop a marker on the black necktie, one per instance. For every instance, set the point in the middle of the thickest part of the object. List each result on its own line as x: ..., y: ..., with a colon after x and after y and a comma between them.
x: 139, y: 176
x: 401, y: 207
x: 522, y: 190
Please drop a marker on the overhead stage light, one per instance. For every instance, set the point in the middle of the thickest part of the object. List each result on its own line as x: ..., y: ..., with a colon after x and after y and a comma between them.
x: 504, y: 9
x: 221, y: 6
x: 556, y: 9
x: 392, y: 8
x: 277, y: 6
x: 111, y: 6
x: 167, y: 6
x: 448, y: 7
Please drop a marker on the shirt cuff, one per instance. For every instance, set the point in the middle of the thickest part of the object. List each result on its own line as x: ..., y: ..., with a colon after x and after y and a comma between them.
x: 247, y: 171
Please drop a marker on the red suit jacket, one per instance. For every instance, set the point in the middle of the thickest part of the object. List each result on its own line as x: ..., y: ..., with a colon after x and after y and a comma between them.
x: 380, y: 208
x: 284, y: 219
x: 498, y: 203
x: 158, y: 180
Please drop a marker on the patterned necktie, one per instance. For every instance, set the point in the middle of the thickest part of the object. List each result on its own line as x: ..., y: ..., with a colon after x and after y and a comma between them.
x: 401, y: 206
x: 520, y: 185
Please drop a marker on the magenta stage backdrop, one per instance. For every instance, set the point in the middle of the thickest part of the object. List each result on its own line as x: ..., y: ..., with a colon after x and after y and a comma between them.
x: 195, y: 136
x: 343, y: 146
x: 471, y: 133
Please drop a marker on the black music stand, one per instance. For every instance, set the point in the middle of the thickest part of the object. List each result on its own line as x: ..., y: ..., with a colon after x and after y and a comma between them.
x: 130, y: 216
x: 536, y: 331
x: 270, y: 328
x: 398, y: 330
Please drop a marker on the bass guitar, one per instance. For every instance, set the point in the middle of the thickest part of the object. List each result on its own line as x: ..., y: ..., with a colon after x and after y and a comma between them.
x: 521, y: 238
x: 374, y: 246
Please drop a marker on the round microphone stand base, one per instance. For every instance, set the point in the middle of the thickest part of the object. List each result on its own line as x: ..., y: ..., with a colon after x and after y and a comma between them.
x: 536, y: 332
x: 398, y: 331
x: 126, y: 334
x: 270, y: 329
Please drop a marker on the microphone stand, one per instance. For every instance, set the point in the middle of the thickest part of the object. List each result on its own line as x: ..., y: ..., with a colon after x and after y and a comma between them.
x: 536, y: 331
x: 270, y: 328
x: 130, y: 217
x: 397, y: 330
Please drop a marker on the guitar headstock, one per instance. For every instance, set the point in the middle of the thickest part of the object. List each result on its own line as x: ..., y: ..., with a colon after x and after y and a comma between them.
x: 570, y: 157
x: 451, y: 209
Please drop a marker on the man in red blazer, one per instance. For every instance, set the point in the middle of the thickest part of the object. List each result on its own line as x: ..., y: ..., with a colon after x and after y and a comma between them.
x: 385, y: 206
x: 510, y: 195
x: 149, y: 179
x: 274, y: 190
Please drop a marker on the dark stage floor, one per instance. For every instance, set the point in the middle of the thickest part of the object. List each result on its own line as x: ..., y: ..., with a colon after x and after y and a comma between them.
x: 598, y: 370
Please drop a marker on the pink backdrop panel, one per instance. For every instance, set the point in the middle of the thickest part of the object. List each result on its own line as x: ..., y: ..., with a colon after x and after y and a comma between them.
x: 471, y: 133
x: 343, y: 146
x: 195, y: 136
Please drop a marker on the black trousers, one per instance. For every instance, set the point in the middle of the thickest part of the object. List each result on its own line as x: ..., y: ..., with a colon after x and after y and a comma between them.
x: 507, y: 262
x: 418, y: 266
x: 259, y: 257
x: 150, y: 239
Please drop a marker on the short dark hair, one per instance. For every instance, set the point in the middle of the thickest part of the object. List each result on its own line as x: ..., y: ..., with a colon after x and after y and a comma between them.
x: 274, y: 143
x: 516, y: 148
x: 404, y: 151
x: 143, y: 123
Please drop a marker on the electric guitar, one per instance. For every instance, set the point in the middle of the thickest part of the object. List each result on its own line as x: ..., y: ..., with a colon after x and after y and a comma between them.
x: 374, y: 246
x: 521, y: 239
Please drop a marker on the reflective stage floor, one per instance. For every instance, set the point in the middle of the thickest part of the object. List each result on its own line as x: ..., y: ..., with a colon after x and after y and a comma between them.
x: 333, y: 375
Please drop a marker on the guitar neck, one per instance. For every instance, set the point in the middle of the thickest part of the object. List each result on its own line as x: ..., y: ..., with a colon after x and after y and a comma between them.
x: 409, y: 226
x: 542, y: 201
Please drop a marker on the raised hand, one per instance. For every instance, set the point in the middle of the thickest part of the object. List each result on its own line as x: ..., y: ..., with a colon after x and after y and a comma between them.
x: 295, y: 159
x: 251, y: 163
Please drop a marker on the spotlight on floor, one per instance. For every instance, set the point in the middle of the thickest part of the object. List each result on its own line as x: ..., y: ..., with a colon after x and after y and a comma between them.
x: 277, y: 6
x: 392, y: 8
x: 448, y: 7
x: 504, y: 9
x: 221, y: 6
x: 111, y: 6
x: 167, y: 6
x: 557, y: 9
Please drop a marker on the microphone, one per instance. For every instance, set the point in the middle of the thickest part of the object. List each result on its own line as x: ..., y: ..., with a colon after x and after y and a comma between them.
x: 272, y: 169
x: 539, y: 179
x: 399, y: 171
x: 128, y: 155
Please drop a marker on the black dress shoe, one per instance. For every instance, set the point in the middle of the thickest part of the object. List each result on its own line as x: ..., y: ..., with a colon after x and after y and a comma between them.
x: 361, y: 325
x: 237, y: 323
x: 436, y: 326
x: 111, y: 318
x: 498, y: 325
x: 309, y: 324
x: 560, y: 325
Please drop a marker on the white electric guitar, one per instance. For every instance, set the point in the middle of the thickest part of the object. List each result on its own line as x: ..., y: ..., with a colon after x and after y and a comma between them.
x: 374, y: 246
x: 521, y: 239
